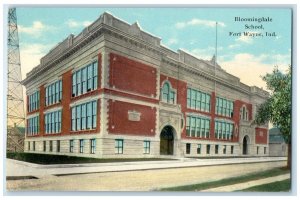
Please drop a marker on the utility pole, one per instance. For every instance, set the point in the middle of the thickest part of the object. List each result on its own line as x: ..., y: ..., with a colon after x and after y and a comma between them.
x: 15, y: 101
x: 216, y: 55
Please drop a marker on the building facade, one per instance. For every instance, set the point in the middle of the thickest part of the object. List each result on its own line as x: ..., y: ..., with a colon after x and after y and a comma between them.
x: 115, y: 91
x: 277, y: 145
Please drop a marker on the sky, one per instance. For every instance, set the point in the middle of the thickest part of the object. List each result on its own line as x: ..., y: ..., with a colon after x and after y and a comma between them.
x: 189, y: 29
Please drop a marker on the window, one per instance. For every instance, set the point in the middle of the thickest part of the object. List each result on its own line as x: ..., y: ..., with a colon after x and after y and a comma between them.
x: 199, y: 149
x: 93, y: 146
x: 33, y: 126
x: 224, y: 149
x: 188, y: 148
x: 53, y: 93
x: 231, y: 150
x: 257, y: 150
x: 119, y: 146
x: 167, y: 93
x: 53, y: 122
x: 265, y: 150
x: 58, y: 145
x: 34, y: 101
x: 28, y: 146
x: 216, y: 149
x: 224, y: 107
x: 244, y: 113
x: 84, y: 116
x: 198, y: 100
x: 208, y: 149
x: 50, y: 145
x: 223, y: 130
x: 33, y: 145
x: 81, y: 143
x: 71, y: 147
x: 197, y: 127
x: 44, y: 146
x: 146, y: 147
x: 85, y: 79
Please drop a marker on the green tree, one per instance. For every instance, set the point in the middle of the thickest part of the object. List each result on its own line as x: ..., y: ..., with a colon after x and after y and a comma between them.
x: 278, y: 107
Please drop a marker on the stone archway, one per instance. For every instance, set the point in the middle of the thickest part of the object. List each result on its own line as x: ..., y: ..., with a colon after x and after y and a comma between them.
x: 246, y: 141
x: 167, y: 141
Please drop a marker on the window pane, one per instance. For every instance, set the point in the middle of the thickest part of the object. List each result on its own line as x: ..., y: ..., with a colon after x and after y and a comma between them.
x: 74, y: 92
x: 188, y: 97
x: 73, y: 118
x: 83, y: 117
x: 60, y: 89
x: 94, y: 114
x: 84, y: 80
x: 193, y: 126
x: 95, y: 75
x: 78, y: 117
x: 193, y: 99
x: 78, y: 76
x: 90, y: 80
x: 89, y: 115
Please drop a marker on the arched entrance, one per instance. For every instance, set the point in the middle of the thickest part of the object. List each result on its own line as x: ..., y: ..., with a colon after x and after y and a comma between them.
x: 167, y: 141
x: 245, y: 144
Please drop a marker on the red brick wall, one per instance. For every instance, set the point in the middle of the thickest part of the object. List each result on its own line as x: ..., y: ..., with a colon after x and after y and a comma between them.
x: 118, y: 118
x: 213, y: 111
x: 238, y: 104
x: 261, y: 139
x: 66, y: 100
x: 132, y: 76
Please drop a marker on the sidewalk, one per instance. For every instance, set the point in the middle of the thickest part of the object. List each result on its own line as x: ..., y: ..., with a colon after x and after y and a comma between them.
x: 19, y: 168
x: 135, y: 176
x: 241, y: 186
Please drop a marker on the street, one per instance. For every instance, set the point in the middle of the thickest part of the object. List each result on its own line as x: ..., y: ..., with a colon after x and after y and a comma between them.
x: 138, y: 180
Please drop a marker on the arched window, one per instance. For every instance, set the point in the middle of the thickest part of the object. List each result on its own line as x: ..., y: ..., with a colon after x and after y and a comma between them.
x: 244, y: 113
x: 168, y: 94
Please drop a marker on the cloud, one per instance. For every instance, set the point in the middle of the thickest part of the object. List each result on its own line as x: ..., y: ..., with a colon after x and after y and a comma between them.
x: 36, y: 29
x: 75, y: 24
x: 30, y: 55
x: 206, y: 53
x: 172, y: 41
x: 198, y: 22
x: 249, y: 67
x: 245, y: 39
x: 233, y: 46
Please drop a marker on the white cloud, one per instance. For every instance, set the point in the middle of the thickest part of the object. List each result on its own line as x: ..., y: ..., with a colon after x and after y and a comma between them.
x: 30, y: 55
x: 35, y: 29
x: 245, y: 39
x: 249, y: 67
x: 206, y: 53
x: 75, y: 24
x: 233, y: 46
x: 172, y: 41
x: 200, y: 22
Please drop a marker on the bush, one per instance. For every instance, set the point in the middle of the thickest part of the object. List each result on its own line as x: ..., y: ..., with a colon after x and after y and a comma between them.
x: 63, y: 159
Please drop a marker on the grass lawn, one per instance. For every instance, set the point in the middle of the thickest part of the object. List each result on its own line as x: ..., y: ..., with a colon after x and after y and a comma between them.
x: 229, y: 181
x: 46, y: 159
x: 279, y: 186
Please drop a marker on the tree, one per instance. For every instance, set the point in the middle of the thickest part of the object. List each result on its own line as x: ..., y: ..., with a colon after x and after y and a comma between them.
x: 278, y: 107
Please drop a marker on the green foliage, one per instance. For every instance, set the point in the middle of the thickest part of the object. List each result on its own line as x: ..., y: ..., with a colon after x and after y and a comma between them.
x: 278, y: 186
x: 278, y: 108
x: 230, y: 181
x: 62, y: 159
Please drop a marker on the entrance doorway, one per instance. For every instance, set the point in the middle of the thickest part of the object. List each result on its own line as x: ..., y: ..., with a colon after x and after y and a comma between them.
x: 245, y: 145
x: 167, y: 141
